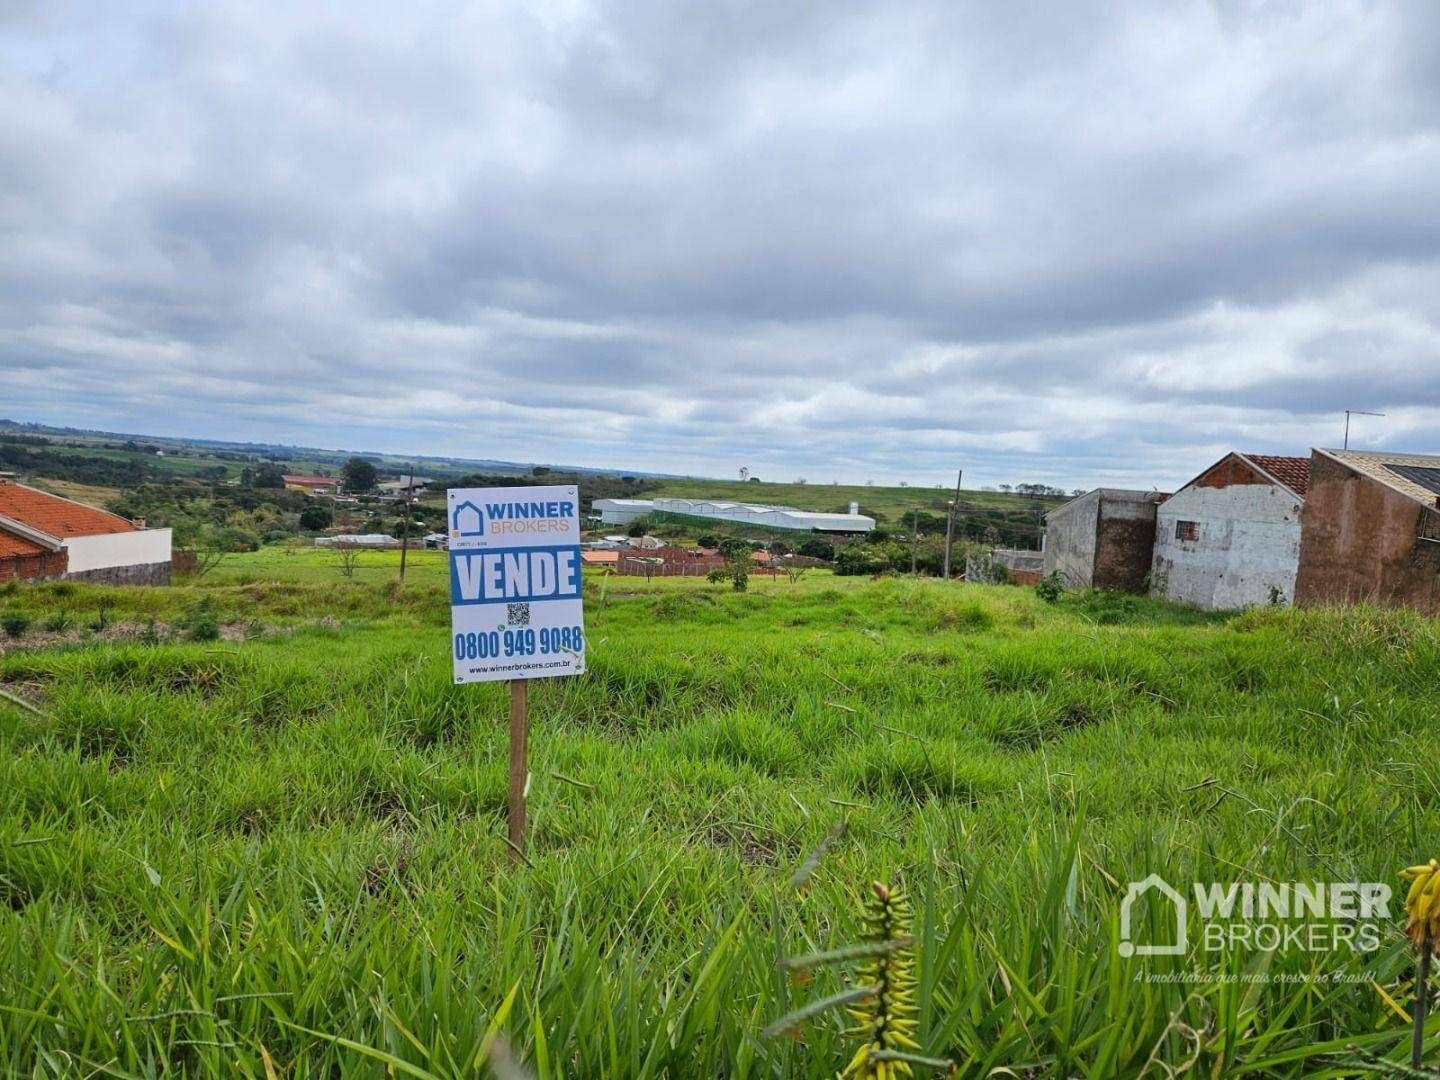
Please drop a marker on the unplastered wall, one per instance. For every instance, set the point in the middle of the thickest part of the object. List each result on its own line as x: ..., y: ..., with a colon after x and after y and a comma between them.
x: 1070, y: 541
x: 1363, y: 542
x: 1246, y: 552
x: 141, y: 548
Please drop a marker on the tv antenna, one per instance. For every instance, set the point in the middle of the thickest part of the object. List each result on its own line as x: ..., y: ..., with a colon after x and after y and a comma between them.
x: 1355, y: 412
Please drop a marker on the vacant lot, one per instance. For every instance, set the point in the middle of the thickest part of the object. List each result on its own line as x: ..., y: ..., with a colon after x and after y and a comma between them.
x: 282, y: 849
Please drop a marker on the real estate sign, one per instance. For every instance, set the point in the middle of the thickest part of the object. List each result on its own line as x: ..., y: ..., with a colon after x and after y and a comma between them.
x: 515, y: 607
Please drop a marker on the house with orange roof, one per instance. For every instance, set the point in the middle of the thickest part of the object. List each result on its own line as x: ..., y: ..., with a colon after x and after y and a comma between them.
x: 47, y: 536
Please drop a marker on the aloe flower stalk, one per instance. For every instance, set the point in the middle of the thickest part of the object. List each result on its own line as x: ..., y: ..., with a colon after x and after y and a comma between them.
x: 1422, y: 927
x: 886, y: 1021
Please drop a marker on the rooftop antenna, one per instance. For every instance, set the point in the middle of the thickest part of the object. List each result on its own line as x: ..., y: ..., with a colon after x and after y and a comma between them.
x: 1355, y: 412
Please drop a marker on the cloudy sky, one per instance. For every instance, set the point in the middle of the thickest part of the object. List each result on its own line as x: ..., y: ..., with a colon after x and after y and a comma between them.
x: 1076, y: 243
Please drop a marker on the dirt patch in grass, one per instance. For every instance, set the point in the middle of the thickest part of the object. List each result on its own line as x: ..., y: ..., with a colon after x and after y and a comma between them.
x: 30, y: 691
x: 753, y: 848
x: 126, y: 632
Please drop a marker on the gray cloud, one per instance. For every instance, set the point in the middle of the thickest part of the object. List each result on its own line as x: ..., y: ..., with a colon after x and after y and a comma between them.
x: 1079, y: 243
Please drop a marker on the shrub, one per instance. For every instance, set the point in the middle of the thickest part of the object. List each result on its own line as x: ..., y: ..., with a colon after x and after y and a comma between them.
x: 816, y: 547
x: 102, y: 616
x: 861, y: 559
x: 1050, y: 588
x: 200, y: 622
x: 16, y: 623
x: 58, y: 623
x: 316, y: 517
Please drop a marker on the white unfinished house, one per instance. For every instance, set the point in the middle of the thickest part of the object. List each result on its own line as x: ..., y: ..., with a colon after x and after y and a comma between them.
x: 1230, y: 538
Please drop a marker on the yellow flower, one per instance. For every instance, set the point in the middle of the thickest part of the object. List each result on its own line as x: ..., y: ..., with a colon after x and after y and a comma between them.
x: 1422, y: 906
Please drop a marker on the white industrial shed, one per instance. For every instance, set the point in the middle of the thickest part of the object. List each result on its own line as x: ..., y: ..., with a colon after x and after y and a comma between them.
x: 621, y: 511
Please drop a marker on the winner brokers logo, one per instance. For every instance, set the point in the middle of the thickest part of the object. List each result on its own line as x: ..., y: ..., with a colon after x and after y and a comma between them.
x: 1265, y: 916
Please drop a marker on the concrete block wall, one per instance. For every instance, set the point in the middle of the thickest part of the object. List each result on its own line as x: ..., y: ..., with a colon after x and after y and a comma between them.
x: 143, y: 574
x: 1245, y: 553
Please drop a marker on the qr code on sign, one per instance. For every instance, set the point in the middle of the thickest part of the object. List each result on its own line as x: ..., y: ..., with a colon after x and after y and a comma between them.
x: 517, y: 614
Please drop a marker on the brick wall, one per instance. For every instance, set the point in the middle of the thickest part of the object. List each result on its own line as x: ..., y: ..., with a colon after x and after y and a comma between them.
x: 674, y: 562
x: 47, y: 564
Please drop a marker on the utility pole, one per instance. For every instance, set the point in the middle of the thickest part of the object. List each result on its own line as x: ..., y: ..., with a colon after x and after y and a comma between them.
x: 405, y: 528
x: 950, y: 522
x: 1355, y: 412
x: 914, y: 535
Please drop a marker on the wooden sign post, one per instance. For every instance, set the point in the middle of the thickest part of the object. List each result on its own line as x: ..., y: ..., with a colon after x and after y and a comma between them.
x: 515, y: 605
x: 519, y: 765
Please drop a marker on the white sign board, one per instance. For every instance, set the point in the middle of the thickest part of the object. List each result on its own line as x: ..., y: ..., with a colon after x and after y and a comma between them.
x: 515, y: 607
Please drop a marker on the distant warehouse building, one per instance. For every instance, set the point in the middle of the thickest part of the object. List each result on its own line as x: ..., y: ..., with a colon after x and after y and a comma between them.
x: 1230, y: 538
x: 1104, y: 539
x: 623, y: 511
x: 1371, y: 530
x: 46, y: 536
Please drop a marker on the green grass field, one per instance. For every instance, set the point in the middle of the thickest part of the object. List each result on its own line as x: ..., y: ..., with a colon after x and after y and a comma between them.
x: 283, y: 854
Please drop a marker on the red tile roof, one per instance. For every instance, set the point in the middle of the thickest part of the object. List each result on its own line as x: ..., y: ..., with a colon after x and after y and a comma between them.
x: 11, y: 546
x: 58, y: 517
x: 1293, y: 472
x: 597, y: 558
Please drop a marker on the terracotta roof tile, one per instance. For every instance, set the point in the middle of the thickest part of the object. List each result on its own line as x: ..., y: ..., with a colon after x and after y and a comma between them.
x: 11, y: 546
x: 59, y: 517
x: 1293, y: 472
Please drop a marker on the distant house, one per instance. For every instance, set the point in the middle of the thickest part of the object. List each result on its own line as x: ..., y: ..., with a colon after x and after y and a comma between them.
x: 1371, y: 530
x: 313, y: 485
x: 1104, y: 539
x: 1230, y: 538
x: 46, y: 536
x: 599, y: 557
x: 405, y: 485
